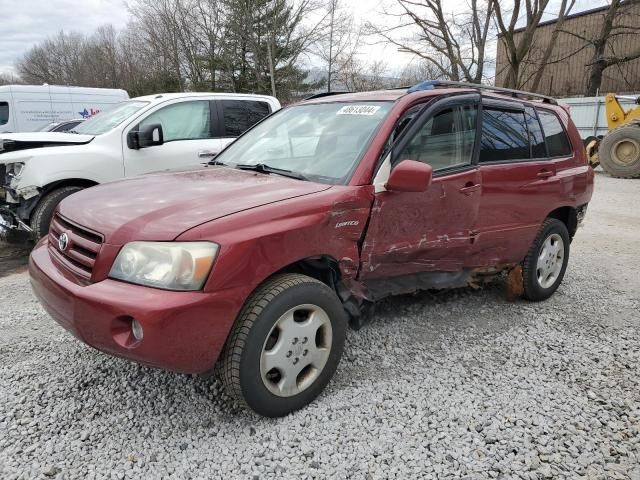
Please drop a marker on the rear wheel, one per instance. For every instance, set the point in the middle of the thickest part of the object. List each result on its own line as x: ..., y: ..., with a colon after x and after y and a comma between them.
x: 546, y: 262
x: 42, y: 214
x: 285, y: 345
x: 619, y: 152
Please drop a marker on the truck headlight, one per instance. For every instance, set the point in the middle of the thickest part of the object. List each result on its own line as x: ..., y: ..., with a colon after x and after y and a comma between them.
x: 15, y: 169
x: 167, y: 265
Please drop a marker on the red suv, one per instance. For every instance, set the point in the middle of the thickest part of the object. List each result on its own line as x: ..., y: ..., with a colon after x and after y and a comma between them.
x: 259, y: 261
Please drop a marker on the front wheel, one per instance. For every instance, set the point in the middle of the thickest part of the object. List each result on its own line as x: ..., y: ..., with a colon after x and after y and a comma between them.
x: 285, y: 345
x: 43, y: 213
x: 544, y: 266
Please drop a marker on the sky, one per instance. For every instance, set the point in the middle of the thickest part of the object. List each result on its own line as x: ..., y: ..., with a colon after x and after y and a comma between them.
x: 28, y: 22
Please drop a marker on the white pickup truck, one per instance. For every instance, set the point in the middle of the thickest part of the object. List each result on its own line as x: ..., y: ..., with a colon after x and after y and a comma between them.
x: 141, y: 135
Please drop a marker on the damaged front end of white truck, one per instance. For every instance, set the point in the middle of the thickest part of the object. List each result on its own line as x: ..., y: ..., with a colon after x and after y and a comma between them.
x: 20, y: 180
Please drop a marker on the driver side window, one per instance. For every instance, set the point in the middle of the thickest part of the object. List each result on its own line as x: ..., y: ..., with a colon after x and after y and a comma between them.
x: 446, y: 140
x: 182, y: 121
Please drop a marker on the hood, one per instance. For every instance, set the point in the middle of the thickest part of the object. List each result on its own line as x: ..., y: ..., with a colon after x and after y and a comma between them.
x: 10, y: 142
x: 162, y: 206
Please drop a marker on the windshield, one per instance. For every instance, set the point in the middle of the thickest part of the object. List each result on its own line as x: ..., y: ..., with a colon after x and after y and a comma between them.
x: 105, y: 121
x: 322, y: 142
x: 47, y: 127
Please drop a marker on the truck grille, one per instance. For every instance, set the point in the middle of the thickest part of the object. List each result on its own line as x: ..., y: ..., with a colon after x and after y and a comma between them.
x: 81, y: 249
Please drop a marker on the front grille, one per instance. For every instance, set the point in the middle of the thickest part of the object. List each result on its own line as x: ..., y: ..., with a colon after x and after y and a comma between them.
x: 81, y: 250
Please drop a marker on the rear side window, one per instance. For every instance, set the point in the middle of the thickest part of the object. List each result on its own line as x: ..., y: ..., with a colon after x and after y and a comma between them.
x: 557, y: 141
x: 4, y: 113
x: 504, y: 135
x: 240, y: 115
x: 536, y: 137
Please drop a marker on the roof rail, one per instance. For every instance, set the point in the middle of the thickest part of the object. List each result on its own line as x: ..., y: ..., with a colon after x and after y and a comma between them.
x: 431, y: 84
x: 324, y: 94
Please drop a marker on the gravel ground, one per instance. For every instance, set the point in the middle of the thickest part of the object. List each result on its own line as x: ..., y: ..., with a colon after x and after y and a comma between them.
x: 448, y: 385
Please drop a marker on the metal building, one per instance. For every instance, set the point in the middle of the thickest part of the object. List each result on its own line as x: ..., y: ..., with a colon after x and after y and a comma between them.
x: 568, y: 73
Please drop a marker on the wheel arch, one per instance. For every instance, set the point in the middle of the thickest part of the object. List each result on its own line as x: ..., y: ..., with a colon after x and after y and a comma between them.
x: 324, y: 268
x: 50, y: 187
x: 567, y: 215
x: 68, y: 182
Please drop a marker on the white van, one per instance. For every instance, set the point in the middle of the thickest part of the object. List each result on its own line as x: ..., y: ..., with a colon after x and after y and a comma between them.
x: 141, y: 135
x: 28, y: 108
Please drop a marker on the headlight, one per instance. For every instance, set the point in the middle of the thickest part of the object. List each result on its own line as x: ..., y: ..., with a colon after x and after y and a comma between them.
x: 15, y: 169
x: 168, y: 265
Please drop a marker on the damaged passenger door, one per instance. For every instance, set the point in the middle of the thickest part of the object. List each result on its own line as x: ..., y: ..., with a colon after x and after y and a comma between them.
x: 431, y: 230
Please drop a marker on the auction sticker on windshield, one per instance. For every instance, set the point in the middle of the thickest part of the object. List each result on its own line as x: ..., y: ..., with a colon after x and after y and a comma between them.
x: 358, y: 110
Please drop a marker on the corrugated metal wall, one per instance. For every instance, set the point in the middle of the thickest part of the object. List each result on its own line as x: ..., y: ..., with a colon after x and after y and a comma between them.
x: 588, y: 113
x: 569, y: 73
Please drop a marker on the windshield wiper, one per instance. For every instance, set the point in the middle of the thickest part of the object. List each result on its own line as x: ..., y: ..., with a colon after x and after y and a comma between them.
x: 214, y: 162
x: 264, y: 168
x: 73, y: 131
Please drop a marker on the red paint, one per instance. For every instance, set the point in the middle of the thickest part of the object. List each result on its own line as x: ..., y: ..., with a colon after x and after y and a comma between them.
x: 483, y: 217
x: 410, y: 176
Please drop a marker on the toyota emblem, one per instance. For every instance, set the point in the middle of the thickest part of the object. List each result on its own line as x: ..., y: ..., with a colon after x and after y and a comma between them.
x: 63, y: 242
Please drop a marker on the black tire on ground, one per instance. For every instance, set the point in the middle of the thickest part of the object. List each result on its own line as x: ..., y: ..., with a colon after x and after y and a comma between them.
x: 619, y: 152
x: 537, y: 285
x: 42, y: 214
x: 254, y: 328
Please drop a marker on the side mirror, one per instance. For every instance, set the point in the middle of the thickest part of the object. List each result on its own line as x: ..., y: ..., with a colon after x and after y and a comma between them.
x: 148, y: 136
x: 410, y: 176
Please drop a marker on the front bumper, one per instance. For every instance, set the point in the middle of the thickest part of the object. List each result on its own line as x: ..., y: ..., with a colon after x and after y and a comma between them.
x: 183, y: 331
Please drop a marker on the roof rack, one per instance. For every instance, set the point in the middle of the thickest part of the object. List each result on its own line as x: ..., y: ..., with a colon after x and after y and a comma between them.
x: 431, y: 84
x: 325, y: 94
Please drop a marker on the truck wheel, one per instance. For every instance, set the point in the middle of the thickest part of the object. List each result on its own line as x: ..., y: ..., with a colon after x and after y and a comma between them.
x: 544, y: 266
x: 619, y: 152
x: 285, y: 345
x: 42, y: 214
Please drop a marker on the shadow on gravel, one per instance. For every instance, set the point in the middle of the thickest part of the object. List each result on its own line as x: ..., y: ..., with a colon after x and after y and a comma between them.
x: 13, y: 258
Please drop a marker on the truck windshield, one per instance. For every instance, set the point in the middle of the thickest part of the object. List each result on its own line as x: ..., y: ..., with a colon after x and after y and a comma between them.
x: 105, y: 121
x: 322, y: 142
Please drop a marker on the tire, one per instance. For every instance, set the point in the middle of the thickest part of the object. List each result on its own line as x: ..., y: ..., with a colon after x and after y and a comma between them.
x: 541, y: 275
x: 42, y: 214
x: 619, y: 152
x: 275, y: 327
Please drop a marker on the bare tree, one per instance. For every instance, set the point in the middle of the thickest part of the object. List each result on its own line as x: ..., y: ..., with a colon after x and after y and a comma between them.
x: 454, y: 43
x: 337, y: 41
x: 10, y: 79
x: 519, y: 42
x: 545, y: 59
x: 418, y: 72
x: 618, y: 21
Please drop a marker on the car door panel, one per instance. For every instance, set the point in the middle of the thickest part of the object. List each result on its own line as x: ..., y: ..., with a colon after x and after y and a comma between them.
x: 410, y: 232
x: 431, y: 231
x: 188, y: 139
x: 516, y: 195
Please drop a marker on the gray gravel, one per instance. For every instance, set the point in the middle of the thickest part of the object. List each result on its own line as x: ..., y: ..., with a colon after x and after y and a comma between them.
x: 448, y: 385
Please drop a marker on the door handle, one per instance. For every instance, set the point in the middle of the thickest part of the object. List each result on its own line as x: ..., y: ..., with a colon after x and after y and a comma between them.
x: 470, y: 187
x: 545, y: 173
x: 207, y: 154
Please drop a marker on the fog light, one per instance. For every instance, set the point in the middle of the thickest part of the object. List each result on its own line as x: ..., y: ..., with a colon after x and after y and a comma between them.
x: 136, y: 330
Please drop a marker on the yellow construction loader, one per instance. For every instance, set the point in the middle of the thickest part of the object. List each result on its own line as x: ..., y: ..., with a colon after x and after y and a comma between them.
x: 618, y: 152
